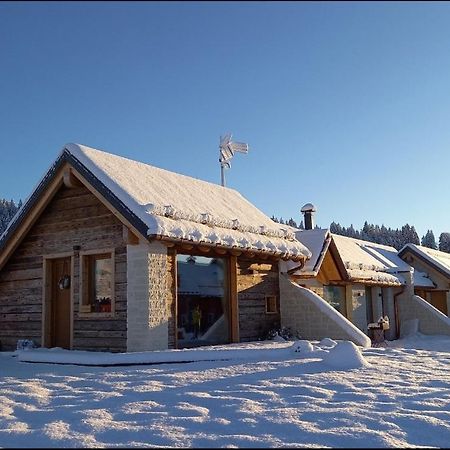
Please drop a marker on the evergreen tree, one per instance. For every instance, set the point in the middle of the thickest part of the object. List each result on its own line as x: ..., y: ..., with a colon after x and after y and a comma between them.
x: 414, y: 236
x: 380, y: 235
x: 291, y: 222
x: 351, y: 232
x: 429, y: 241
x: 444, y: 242
x: 335, y: 228
x: 8, y: 210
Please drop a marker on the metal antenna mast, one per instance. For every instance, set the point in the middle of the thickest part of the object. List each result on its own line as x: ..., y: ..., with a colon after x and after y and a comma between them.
x: 227, y: 148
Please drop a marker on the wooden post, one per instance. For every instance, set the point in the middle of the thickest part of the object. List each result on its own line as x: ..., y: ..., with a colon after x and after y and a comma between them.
x: 234, y: 307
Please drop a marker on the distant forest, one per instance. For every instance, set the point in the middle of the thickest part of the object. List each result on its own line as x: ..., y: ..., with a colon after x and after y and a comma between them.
x: 381, y: 235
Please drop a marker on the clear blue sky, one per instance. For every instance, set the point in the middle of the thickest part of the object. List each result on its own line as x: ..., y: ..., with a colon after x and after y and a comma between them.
x: 345, y: 105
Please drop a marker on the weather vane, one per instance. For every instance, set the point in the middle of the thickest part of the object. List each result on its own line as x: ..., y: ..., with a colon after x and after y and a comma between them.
x: 227, y: 149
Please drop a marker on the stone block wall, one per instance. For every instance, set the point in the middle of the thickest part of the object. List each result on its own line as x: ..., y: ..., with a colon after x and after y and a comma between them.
x: 147, y: 293
x: 431, y: 320
x: 313, y: 318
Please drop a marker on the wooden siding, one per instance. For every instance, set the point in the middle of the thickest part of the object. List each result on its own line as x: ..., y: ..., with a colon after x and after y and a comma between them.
x: 74, y: 217
x: 254, y: 282
x: 329, y: 271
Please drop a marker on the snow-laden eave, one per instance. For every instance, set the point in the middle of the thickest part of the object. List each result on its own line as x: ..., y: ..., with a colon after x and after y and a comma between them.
x: 301, y: 272
x: 375, y: 282
x: 317, y: 257
x: 182, y: 231
x: 426, y: 258
x: 389, y: 277
x: 375, y: 277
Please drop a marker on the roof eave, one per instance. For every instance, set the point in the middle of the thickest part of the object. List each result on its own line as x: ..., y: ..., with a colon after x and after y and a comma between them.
x: 232, y: 249
x: 428, y: 260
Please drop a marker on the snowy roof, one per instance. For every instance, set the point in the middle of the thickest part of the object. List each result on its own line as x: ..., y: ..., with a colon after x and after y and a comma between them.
x: 437, y: 259
x: 376, y: 263
x: 177, y: 207
x: 316, y: 240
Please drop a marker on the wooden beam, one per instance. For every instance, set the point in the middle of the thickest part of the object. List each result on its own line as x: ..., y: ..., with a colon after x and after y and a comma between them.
x: 235, y: 252
x: 204, y: 248
x: 70, y: 181
x: 129, y: 237
x: 260, y: 267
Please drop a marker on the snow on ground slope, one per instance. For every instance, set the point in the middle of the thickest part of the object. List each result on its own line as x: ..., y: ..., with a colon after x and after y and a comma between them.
x: 396, y: 397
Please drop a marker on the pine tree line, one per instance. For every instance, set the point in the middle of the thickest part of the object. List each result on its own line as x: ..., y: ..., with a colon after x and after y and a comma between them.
x: 382, y: 235
x: 395, y: 238
x: 291, y: 222
x: 7, y: 211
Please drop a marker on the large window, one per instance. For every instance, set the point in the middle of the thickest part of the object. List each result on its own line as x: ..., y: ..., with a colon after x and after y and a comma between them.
x: 203, y: 305
x: 97, y: 282
x: 335, y: 296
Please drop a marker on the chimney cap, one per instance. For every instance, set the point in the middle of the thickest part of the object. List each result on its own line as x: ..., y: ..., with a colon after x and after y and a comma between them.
x: 308, y: 207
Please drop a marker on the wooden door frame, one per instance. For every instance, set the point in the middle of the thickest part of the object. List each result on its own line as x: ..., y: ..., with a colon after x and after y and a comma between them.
x: 47, y: 293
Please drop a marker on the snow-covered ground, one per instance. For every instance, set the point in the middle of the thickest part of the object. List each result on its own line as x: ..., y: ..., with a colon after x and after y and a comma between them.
x: 265, y: 394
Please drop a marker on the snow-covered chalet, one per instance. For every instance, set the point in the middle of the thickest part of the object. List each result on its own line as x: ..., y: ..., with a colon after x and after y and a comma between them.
x: 436, y: 265
x: 364, y: 281
x: 112, y: 254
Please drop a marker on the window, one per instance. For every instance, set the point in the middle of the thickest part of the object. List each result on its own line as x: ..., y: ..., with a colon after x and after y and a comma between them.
x: 97, y: 282
x: 335, y: 296
x: 271, y: 304
x: 203, y: 304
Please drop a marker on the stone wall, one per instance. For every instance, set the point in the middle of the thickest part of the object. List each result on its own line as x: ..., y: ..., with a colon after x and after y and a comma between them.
x: 431, y: 320
x: 147, y: 293
x: 313, y: 318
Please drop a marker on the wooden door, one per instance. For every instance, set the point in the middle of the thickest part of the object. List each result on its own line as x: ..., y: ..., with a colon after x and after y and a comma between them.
x: 60, y: 303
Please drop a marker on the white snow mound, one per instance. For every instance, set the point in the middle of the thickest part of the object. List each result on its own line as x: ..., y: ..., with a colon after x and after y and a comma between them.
x: 302, y: 347
x: 345, y: 355
x: 279, y: 338
x: 327, y: 342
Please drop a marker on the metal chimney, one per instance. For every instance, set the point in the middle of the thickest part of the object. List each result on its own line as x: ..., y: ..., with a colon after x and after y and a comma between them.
x: 308, y: 212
